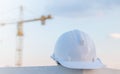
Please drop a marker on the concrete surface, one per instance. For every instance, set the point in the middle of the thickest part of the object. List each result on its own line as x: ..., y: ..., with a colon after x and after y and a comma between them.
x: 54, y: 70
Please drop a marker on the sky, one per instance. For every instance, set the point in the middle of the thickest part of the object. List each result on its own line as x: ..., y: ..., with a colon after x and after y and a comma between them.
x: 98, y: 18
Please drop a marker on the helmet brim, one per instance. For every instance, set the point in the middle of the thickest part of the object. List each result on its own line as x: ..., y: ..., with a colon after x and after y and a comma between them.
x: 83, y: 65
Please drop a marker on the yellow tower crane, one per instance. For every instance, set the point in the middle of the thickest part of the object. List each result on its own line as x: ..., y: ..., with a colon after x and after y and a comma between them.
x: 20, y: 34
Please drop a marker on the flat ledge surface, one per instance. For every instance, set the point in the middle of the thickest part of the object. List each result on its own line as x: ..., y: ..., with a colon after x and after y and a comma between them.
x: 54, y: 70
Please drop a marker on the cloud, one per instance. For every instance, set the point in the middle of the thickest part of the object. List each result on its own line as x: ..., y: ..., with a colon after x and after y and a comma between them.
x: 80, y: 7
x: 115, y: 35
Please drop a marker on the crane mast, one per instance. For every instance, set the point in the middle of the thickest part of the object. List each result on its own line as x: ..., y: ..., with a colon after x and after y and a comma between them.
x: 19, y: 50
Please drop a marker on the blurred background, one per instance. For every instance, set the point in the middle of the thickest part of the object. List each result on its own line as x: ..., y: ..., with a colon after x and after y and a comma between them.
x: 99, y: 18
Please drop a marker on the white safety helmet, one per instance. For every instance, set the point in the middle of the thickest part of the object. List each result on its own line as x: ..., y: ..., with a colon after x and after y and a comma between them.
x: 76, y: 50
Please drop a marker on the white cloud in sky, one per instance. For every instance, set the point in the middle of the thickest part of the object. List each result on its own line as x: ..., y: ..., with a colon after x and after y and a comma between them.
x: 115, y: 35
x: 81, y: 7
